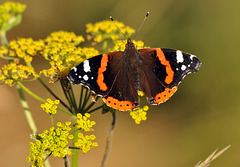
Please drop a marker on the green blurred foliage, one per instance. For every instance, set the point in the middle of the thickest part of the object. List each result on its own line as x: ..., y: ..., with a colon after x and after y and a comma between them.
x: 203, y: 114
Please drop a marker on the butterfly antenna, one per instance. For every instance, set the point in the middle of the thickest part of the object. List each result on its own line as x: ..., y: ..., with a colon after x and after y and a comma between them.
x: 141, y: 24
x: 117, y: 27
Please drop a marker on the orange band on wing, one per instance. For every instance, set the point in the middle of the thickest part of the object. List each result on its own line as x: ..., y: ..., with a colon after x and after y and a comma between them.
x: 169, y: 71
x: 165, y: 95
x: 119, y: 105
x: 103, y: 68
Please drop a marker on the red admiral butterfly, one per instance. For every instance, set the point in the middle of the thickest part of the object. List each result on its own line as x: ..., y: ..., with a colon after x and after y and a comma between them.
x: 118, y: 76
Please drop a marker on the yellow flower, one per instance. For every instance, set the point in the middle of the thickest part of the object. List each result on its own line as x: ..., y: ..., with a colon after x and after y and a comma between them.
x: 50, y: 106
x: 105, y: 30
x: 119, y: 45
x: 139, y: 114
x: 62, y: 52
x: 52, y: 142
x: 25, y: 48
x: 85, y: 142
x: 84, y: 123
x: 64, y: 37
x: 140, y: 93
x: 13, y: 72
x: 10, y: 15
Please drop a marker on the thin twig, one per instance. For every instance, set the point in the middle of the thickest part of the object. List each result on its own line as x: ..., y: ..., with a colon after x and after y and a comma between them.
x: 66, y: 161
x: 109, y: 141
x: 211, y: 157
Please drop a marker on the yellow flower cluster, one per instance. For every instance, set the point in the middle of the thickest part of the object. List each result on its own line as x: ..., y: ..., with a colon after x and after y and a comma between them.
x: 52, y: 142
x: 14, y: 72
x: 25, y: 48
x: 139, y: 114
x: 83, y: 123
x: 119, y: 45
x: 64, y: 37
x: 10, y: 15
x: 62, y: 53
x: 85, y: 142
x: 60, y: 49
x: 105, y: 30
x: 50, y: 106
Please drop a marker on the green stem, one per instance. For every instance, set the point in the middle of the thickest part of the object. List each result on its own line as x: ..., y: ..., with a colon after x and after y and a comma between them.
x: 29, y: 116
x: 109, y: 141
x: 75, y: 152
x: 53, y: 94
x: 73, y: 101
x: 104, y: 45
x: 26, y: 109
x: 3, y: 38
x: 95, y: 109
x: 51, y: 118
x: 80, y: 100
x: 39, y: 98
x: 86, y: 99
x: 6, y: 57
x: 69, y: 96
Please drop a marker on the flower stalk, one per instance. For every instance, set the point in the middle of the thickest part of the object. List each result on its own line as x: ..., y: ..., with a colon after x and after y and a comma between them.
x: 26, y: 110
x: 75, y: 152
x: 109, y: 141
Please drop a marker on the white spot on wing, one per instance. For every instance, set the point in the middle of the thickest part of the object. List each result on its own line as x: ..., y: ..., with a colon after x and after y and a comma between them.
x: 85, y: 77
x: 191, y: 57
x: 179, y: 56
x: 86, y: 66
x: 183, y: 67
x: 75, y: 69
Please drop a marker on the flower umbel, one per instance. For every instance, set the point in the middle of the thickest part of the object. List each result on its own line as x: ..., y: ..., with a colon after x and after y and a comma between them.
x: 50, y: 106
x: 105, y: 30
x: 63, y: 53
x: 85, y: 142
x: 139, y: 114
x: 10, y: 15
x: 51, y: 142
x: 14, y: 72
x: 83, y: 123
x: 25, y: 48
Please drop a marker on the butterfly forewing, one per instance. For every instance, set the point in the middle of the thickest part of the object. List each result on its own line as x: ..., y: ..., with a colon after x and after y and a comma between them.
x: 170, y: 66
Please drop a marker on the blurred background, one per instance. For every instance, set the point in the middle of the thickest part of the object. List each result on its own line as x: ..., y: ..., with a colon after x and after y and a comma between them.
x: 204, y: 114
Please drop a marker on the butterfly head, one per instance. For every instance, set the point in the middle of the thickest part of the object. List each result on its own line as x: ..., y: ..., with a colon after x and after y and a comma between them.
x: 130, y: 45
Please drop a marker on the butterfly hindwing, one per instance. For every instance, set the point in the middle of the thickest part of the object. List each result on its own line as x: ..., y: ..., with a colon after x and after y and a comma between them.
x: 152, y: 87
x: 123, y: 94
